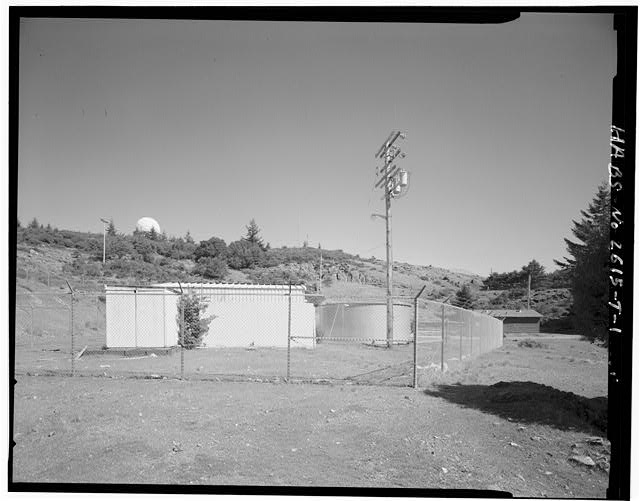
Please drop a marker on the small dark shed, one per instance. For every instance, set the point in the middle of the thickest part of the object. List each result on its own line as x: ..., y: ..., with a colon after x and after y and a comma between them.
x: 517, y: 321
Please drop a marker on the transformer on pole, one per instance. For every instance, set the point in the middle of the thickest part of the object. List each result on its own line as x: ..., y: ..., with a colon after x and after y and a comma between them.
x: 395, y: 183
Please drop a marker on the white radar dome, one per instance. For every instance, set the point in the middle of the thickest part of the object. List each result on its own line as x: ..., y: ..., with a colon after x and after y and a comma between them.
x: 146, y: 223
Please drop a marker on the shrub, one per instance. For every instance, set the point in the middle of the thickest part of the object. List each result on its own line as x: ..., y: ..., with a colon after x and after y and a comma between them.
x: 214, y: 247
x: 195, y: 325
x: 242, y: 254
x: 117, y: 247
x: 528, y: 343
x: 464, y: 298
x: 212, y: 268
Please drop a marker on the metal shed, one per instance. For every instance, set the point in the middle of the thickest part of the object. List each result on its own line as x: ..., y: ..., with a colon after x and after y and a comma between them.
x: 517, y: 321
x: 141, y: 317
x: 253, y: 315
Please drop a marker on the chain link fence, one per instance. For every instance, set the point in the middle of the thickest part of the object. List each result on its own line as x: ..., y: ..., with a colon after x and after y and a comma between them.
x: 243, y: 332
x: 447, y: 336
x: 55, y: 279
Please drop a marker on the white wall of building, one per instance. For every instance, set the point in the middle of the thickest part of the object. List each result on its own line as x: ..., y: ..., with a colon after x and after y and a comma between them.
x: 141, y: 317
x: 258, y: 321
x: 241, y: 315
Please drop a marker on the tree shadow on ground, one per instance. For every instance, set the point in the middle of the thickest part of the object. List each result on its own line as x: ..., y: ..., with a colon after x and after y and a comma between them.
x: 529, y: 402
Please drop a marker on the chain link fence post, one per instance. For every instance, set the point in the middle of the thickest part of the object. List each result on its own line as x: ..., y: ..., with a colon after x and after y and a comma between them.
x: 471, y: 340
x: 415, y: 337
x: 73, y: 347
x: 182, y: 336
x: 98, y: 316
x: 31, y: 330
x: 289, y: 338
x: 468, y: 323
x: 442, y: 343
x: 415, y: 343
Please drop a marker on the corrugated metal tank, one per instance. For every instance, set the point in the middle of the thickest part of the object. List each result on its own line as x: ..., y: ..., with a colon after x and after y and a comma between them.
x: 364, y: 321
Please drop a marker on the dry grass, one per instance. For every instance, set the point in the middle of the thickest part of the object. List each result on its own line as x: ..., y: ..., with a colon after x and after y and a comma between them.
x: 465, y: 430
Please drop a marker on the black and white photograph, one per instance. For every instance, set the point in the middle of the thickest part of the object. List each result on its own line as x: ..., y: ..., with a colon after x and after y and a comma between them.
x: 384, y: 251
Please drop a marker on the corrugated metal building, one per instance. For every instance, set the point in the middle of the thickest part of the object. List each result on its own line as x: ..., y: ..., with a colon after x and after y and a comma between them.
x: 517, y: 321
x: 251, y: 314
x: 241, y: 315
x: 141, y: 317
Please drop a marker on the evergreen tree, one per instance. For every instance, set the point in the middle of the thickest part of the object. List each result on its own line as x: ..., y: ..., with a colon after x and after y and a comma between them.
x: 464, y: 298
x: 195, y: 324
x: 537, y: 273
x: 252, y: 236
x: 34, y: 224
x: 152, y: 234
x: 111, y: 229
x: 588, y: 267
x: 188, y: 238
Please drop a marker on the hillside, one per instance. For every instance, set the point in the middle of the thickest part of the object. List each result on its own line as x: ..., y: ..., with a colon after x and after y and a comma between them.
x: 47, y: 258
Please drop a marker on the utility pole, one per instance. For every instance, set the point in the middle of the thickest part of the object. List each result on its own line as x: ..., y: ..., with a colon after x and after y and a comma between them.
x: 529, y: 292
x: 395, y: 183
x: 104, y: 239
x: 320, y: 271
x: 387, y: 205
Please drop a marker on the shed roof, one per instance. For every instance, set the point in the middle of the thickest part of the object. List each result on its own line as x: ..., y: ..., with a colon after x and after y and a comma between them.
x: 136, y: 288
x: 512, y: 313
x: 228, y: 286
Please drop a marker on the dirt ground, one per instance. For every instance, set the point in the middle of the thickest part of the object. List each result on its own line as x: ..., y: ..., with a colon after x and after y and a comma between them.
x: 510, y: 420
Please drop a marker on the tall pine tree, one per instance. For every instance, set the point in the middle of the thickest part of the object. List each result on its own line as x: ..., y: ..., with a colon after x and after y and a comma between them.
x: 253, y: 235
x: 588, y: 267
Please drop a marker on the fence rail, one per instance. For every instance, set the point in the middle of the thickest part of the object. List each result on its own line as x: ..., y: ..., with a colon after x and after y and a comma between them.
x: 279, y: 333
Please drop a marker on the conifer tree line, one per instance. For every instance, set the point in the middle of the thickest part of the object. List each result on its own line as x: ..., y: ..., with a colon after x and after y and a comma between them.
x: 518, y: 279
x: 588, y: 267
x: 585, y: 271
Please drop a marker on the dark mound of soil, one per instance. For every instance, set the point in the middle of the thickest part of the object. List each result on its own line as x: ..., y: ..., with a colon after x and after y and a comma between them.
x: 526, y: 401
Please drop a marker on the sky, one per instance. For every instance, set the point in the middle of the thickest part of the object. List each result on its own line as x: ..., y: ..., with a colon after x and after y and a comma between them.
x: 204, y: 125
